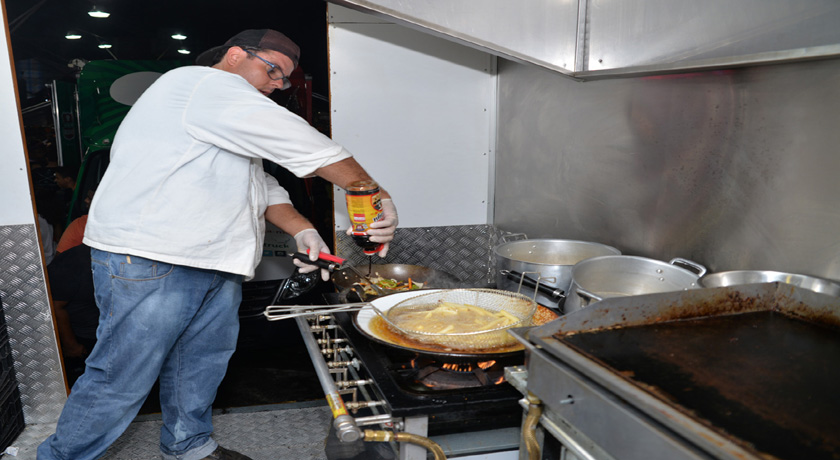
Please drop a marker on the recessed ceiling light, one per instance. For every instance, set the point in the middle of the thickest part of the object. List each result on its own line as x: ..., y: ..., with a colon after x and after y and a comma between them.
x: 179, y: 37
x: 104, y: 46
x: 98, y: 13
x: 184, y: 51
x: 73, y: 35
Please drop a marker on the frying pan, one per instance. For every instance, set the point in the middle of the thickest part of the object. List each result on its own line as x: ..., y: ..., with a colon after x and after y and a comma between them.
x: 364, y: 322
x: 345, y: 279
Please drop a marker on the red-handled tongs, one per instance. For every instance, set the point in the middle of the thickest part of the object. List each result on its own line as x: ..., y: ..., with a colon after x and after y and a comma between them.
x: 325, y: 260
x: 332, y: 263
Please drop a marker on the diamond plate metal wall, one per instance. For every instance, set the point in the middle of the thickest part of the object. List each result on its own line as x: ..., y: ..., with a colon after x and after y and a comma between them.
x: 29, y: 322
x: 465, y: 251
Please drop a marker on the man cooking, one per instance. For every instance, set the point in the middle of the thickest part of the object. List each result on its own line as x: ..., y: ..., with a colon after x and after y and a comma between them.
x: 176, y: 225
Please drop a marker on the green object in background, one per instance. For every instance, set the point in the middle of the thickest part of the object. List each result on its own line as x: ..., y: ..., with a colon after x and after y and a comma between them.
x: 99, y: 113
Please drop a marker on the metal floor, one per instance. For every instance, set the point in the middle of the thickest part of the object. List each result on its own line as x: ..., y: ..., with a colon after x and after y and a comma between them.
x: 294, y: 431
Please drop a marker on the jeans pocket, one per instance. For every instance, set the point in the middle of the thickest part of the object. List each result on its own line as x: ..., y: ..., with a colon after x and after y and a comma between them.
x: 134, y: 268
x: 99, y: 257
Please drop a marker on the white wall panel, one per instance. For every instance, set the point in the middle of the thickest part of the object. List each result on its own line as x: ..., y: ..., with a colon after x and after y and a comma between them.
x: 417, y: 112
x: 14, y: 178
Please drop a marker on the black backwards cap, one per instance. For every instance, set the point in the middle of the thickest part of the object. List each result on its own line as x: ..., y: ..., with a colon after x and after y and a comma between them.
x: 266, y: 39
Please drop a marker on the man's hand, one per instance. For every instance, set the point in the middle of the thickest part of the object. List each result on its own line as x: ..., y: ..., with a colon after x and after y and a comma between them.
x: 346, y: 171
x: 383, y: 231
x: 310, y: 241
x: 74, y: 350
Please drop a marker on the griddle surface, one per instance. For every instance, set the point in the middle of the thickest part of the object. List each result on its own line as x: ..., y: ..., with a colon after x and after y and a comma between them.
x: 765, y: 379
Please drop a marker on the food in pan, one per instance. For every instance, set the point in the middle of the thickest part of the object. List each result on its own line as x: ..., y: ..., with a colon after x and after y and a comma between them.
x: 389, y: 284
x: 450, y: 318
x: 372, y: 324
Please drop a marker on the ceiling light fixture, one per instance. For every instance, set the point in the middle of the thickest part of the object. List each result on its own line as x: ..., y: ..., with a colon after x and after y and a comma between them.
x: 179, y: 36
x: 184, y: 51
x: 98, y: 13
x: 73, y: 35
x: 104, y: 46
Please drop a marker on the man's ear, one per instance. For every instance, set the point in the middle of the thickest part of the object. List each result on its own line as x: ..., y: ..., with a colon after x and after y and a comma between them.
x: 233, y: 55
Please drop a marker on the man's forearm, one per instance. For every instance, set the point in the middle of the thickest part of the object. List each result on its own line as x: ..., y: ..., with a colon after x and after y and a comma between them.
x: 344, y: 172
x: 287, y: 218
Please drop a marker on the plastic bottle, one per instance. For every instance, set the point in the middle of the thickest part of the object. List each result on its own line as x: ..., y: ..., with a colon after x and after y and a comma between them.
x: 364, y: 207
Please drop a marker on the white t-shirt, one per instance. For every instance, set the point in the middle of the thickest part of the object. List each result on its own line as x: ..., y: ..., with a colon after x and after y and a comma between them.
x: 186, y: 185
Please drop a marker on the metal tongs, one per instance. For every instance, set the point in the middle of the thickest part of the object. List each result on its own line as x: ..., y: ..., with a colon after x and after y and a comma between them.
x: 327, y: 262
x: 333, y: 263
x: 280, y: 312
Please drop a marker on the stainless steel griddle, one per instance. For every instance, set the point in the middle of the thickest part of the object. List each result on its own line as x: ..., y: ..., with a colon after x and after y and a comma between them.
x: 746, y: 372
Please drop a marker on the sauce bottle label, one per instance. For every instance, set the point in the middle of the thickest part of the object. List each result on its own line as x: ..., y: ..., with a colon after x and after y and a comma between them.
x: 363, y: 210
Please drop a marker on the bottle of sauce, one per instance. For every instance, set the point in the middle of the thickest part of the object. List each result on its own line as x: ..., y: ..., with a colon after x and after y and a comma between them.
x: 364, y: 207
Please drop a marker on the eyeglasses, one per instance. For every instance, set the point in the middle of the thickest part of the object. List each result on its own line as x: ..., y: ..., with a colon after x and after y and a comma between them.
x: 275, y: 72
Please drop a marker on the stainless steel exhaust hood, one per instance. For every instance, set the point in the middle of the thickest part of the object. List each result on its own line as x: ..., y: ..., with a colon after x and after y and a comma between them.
x: 609, y: 38
x: 541, y: 32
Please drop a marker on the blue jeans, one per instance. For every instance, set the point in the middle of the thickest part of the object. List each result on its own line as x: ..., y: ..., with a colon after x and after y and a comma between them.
x: 156, y: 320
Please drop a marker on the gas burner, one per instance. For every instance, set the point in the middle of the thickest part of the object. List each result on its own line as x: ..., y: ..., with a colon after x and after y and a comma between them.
x: 427, y: 374
x: 477, y: 400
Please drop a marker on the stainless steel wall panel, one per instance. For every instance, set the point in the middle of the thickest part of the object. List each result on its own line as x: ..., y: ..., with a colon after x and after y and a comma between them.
x: 542, y: 32
x: 29, y: 322
x: 735, y: 169
x: 624, y: 34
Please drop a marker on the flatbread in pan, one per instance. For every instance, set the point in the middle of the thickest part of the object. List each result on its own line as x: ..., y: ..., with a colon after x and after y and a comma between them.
x: 370, y: 324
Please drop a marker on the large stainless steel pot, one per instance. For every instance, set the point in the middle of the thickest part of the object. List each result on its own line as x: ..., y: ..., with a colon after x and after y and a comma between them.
x: 616, y: 276
x: 552, y: 259
x: 739, y: 277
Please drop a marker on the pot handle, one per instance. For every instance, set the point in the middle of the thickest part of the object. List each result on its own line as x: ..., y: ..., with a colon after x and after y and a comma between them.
x: 513, y: 237
x: 531, y: 283
x: 588, y: 296
x: 692, y: 266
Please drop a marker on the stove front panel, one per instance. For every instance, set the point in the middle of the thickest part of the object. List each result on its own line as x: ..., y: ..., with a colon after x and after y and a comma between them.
x: 598, y: 420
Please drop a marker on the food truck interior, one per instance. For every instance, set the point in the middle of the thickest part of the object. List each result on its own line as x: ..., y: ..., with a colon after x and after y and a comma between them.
x: 696, y: 139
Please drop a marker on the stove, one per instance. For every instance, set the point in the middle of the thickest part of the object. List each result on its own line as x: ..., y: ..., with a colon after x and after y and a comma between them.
x: 456, y: 394
x: 465, y: 402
